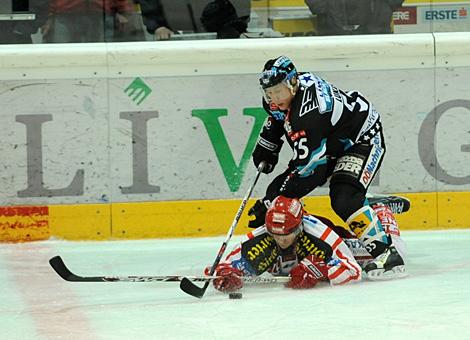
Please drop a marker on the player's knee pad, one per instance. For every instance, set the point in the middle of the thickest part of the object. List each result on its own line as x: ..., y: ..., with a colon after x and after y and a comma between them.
x: 366, y: 225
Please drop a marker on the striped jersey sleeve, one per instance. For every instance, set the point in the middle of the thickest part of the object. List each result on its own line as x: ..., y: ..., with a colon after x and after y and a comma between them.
x: 343, y: 268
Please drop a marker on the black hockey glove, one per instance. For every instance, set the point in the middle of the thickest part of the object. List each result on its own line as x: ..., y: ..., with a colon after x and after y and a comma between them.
x: 268, y: 152
x: 258, y: 210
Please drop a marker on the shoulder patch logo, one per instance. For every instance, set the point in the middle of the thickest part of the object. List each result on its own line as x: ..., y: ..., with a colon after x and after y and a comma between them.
x: 308, y: 102
x: 306, y: 79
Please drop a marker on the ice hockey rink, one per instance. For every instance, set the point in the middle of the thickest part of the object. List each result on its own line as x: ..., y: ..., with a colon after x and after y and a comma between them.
x: 433, y: 302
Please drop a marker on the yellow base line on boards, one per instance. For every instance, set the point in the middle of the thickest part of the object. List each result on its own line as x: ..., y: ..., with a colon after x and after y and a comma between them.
x: 197, y: 218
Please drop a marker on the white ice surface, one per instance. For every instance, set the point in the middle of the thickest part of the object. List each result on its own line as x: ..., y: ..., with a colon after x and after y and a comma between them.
x: 433, y: 302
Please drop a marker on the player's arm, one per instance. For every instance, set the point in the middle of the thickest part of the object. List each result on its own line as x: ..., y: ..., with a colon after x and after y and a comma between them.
x: 312, y: 270
x: 237, y: 264
x: 309, y: 164
x: 340, y: 268
x: 230, y: 276
x: 269, y: 143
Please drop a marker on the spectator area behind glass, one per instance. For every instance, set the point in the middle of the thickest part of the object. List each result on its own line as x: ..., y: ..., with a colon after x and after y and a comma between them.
x: 22, y: 19
x: 5, y: 6
x: 7, y: 14
x: 185, y: 16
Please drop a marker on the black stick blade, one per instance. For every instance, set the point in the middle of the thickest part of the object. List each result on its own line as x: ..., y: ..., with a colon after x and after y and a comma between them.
x: 190, y: 288
x: 60, y: 268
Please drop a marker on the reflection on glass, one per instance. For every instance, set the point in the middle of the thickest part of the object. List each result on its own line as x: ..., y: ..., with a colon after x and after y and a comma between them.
x: 91, y: 21
x: 346, y: 17
x: 70, y: 21
x: 19, y: 19
x: 432, y: 16
x: 341, y: 17
x: 196, y: 19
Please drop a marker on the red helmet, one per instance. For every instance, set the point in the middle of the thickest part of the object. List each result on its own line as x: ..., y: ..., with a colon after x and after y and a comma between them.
x: 284, y: 216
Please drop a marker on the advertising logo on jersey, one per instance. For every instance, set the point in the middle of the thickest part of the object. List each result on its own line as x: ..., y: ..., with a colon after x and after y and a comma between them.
x: 405, y: 16
x: 446, y: 14
x: 350, y: 165
x: 307, y: 245
x: 259, y: 253
x: 296, y: 135
x: 371, y: 165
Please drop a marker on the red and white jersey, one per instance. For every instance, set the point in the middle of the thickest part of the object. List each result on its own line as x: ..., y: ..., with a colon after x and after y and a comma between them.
x: 259, y: 253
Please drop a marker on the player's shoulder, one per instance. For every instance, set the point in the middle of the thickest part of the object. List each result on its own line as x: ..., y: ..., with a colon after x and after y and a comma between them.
x: 317, y: 93
x: 314, y: 226
x: 257, y: 234
x: 311, y: 81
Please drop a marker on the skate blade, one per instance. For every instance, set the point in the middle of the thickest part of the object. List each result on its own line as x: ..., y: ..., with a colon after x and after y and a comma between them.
x: 381, y: 275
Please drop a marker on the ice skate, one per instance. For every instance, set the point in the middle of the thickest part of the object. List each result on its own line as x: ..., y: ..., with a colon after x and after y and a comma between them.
x: 389, y: 265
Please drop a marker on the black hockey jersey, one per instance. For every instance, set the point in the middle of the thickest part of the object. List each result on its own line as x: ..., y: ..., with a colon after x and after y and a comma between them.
x: 322, y: 123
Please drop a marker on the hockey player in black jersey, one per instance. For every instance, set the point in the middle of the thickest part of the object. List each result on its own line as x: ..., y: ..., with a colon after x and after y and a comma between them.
x: 333, y: 134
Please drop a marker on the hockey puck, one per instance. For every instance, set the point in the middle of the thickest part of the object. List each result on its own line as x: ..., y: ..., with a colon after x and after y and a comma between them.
x: 235, y: 295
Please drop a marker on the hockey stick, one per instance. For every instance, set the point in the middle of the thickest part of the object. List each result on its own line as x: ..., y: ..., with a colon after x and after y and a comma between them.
x: 190, y: 288
x: 60, y: 268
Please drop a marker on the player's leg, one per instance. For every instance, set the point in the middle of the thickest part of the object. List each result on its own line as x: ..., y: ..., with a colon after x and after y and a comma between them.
x: 351, y: 177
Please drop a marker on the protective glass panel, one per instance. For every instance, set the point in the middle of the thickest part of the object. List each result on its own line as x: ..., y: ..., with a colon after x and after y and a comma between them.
x: 75, y: 21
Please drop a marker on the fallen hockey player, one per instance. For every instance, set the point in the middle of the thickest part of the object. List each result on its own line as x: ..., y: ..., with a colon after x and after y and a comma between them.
x: 307, y: 248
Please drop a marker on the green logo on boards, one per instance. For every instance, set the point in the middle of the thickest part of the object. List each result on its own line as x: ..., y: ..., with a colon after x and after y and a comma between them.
x: 138, y: 91
x: 233, y: 173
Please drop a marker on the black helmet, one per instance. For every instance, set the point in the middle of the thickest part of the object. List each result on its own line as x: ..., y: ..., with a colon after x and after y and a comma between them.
x: 278, y: 70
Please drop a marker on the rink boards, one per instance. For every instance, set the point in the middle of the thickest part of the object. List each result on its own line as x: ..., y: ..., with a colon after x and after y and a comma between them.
x: 133, y: 140
x: 195, y: 218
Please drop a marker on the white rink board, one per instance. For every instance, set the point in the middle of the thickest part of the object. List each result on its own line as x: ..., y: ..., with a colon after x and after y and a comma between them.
x: 88, y: 136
